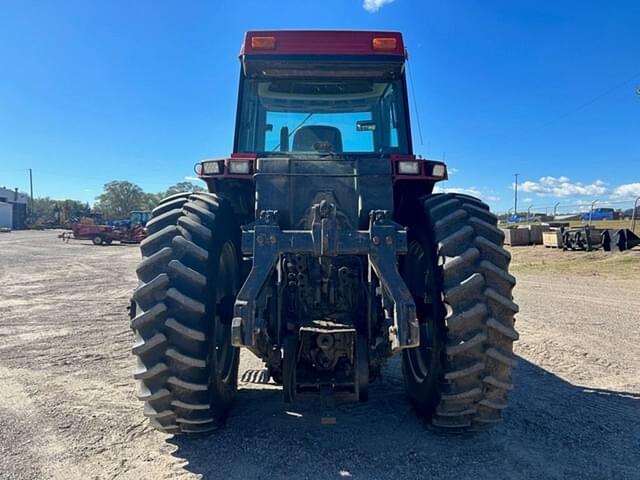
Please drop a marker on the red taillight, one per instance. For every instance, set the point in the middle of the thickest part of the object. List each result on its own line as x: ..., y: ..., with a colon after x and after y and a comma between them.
x: 385, y: 43
x: 263, y: 43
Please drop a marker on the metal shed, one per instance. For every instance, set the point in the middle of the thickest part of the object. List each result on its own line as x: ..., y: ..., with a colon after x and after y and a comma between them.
x: 18, y: 205
x: 6, y: 215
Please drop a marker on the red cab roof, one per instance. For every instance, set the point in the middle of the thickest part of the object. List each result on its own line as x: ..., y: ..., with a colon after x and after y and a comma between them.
x: 324, y: 42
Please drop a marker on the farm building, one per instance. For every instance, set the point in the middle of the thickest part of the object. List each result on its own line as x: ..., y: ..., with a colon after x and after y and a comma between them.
x: 13, y: 208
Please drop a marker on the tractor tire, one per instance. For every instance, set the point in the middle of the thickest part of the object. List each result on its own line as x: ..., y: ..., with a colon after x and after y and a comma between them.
x: 457, y: 270
x: 187, y: 370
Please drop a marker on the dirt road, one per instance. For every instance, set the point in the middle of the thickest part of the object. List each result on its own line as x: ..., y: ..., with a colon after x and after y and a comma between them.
x: 67, y: 406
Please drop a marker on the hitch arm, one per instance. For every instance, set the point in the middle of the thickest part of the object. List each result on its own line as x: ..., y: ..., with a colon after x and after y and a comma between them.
x: 386, y: 243
x: 265, y: 256
x: 382, y: 242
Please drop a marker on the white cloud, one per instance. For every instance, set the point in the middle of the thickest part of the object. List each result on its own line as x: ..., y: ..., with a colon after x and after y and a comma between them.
x: 472, y: 191
x: 372, y: 6
x: 627, y: 191
x: 192, y: 179
x: 562, y: 187
x: 452, y: 170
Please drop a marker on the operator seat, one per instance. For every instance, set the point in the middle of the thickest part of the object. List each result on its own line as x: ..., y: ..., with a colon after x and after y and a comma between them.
x: 313, y: 138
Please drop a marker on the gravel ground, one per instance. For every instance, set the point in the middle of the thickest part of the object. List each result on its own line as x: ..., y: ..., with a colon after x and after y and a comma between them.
x: 67, y: 406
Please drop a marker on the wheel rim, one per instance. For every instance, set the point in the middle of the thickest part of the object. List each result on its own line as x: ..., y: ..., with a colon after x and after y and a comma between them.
x: 420, y: 361
x: 226, y: 288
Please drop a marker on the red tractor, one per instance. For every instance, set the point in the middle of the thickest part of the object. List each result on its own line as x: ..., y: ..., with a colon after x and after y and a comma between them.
x: 322, y: 249
x: 129, y: 231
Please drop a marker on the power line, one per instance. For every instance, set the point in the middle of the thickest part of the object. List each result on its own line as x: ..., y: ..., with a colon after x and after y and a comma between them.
x: 589, y: 102
x: 415, y: 103
x: 572, y: 110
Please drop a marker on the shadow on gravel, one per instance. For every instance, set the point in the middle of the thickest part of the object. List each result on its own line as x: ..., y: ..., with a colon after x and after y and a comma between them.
x: 128, y: 245
x: 553, y: 429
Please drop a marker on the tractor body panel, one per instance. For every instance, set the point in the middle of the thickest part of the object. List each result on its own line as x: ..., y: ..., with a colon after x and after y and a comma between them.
x: 293, y: 185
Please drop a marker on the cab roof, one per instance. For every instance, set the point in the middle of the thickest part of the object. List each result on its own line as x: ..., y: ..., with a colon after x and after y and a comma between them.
x: 324, y: 53
x: 323, y: 42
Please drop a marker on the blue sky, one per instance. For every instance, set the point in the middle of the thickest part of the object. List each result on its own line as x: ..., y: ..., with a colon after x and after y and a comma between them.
x: 95, y: 91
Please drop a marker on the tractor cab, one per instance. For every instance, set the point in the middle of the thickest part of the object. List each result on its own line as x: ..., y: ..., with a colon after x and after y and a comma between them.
x: 139, y: 218
x: 318, y: 112
x: 310, y: 94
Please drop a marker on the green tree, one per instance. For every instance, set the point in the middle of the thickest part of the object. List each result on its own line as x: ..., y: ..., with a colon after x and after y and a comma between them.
x: 74, y: 210
x: 42, y: 210
x: 151, y: 200
x: 181, y: 187
x: 120, y: 198
x: 49, y: 211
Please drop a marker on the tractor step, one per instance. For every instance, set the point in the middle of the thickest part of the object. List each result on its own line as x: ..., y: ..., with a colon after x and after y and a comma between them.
x: 256, y: 376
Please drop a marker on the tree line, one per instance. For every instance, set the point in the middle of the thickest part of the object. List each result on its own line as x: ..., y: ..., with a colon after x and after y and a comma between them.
x: 117, y: 200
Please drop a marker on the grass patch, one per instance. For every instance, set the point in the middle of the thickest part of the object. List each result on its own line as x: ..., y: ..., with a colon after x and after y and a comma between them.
x: 597, y: 263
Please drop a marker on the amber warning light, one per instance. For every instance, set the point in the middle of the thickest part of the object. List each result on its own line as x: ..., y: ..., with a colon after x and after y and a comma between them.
x: 385, y: 43
x: 263, y: 43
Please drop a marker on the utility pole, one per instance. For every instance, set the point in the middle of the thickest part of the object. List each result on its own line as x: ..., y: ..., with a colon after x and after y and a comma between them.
x: 31, y: 193
x: 515, y: 196
x: 591, y: 210
x: 635, y: 208
x: 529, y: 212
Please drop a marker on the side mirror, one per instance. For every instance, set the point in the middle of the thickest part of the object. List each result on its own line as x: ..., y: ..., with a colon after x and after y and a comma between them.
x: 365, y: 126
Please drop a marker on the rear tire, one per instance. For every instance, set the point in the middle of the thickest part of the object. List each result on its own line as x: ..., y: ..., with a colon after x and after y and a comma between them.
x: 189, y: 276
x: 97, y: 240
x: 457, y: 270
